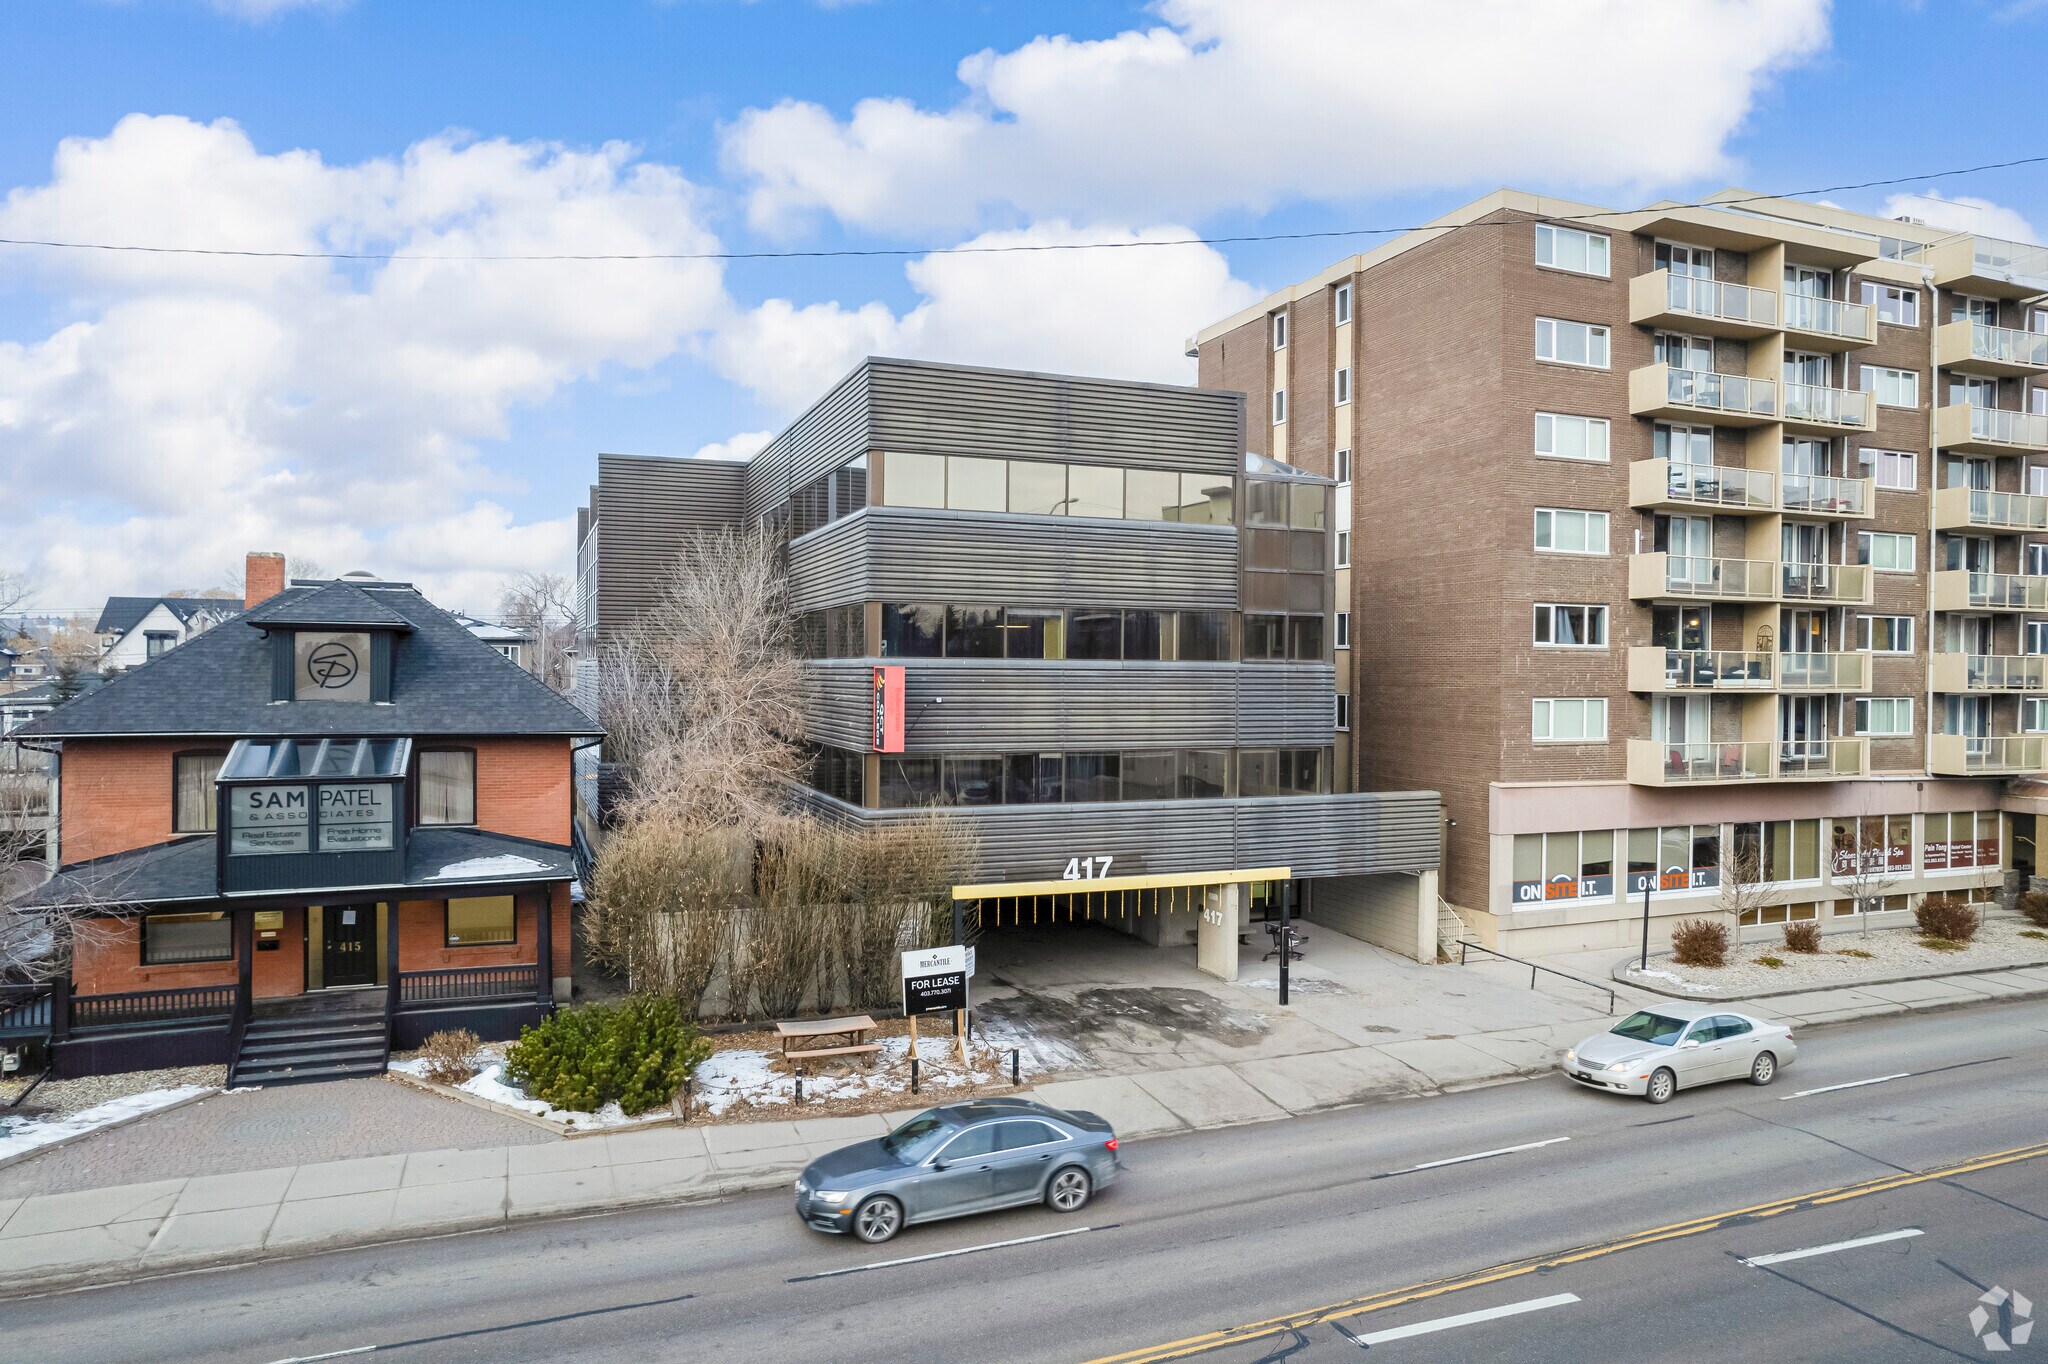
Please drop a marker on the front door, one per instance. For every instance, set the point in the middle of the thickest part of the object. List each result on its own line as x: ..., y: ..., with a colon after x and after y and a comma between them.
x: 348, y: 949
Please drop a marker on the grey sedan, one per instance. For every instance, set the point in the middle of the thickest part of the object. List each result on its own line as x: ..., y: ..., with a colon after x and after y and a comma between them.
x: 959, y: 1159
x: 1656, y: 1052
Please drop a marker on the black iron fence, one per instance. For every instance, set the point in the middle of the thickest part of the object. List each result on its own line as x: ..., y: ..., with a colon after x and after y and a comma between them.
x: 152, y: 1006
x: 24, y: 1010
x: 468, y: 982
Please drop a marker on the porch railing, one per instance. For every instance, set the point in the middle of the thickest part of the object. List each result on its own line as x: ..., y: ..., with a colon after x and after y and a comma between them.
x: 152, y: 1006
x: 468, y: 982
x: 24, y: 1010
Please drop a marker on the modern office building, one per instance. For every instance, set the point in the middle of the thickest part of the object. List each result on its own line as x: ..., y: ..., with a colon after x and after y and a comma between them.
x: 1688, y: 540
x: 1113, y: 629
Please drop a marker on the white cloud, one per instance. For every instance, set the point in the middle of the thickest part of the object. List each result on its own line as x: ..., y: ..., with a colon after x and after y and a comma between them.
x: 1124, y: 313
x: 189, y: 408
x: 258, y: 11
x: 745, y: 445
x: 1962, y: 213
x: 1247, y: 103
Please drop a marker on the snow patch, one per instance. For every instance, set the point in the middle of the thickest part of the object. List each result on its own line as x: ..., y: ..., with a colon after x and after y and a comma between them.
x: 26, y: 1134
x: 484, y: 868
x: 1682, y: 983
x: 489, y: 1084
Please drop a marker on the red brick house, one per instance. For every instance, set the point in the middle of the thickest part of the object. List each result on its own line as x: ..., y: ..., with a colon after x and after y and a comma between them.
x: 332, y: 825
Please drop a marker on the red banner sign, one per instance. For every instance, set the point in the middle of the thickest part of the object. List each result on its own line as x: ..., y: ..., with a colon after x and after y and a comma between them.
x: 888, y: 731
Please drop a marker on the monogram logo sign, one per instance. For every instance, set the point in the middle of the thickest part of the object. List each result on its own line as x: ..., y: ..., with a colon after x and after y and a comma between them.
x: 331, y: 666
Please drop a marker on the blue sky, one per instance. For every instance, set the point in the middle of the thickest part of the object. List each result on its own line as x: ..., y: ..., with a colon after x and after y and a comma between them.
x: 159, y: 417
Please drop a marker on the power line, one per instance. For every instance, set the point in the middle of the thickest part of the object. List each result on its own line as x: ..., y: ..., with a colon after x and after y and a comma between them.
x: 831, y: 253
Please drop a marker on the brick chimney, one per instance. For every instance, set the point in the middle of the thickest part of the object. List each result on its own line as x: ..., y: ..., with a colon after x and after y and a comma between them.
x: 262, y: 578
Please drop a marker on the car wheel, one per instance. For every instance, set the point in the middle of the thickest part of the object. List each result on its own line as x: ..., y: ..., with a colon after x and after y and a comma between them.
x: 1068, y: 1191
x: 1764, y: 1069
x: 1663, y: 1084
x: 878, y: 1219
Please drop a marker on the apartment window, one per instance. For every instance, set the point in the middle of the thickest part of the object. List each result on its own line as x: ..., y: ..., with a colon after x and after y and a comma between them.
x: 1955, y: 842
x: 1885, y: 551
x: 1279, y: 331
x: 1343, y: 711
x: 1884, y: 716
x: 1892, y: 387
x: 174, y: 939
x: 1894, y: 469
x: 1569, y: 719
x: 1343, y: 629
x: 2033, y: 714
x: 1343, y: 549
x: 192, y: 807
x: 482, y: 921
x: 1559, y: 626
x: 1343, y: 466
x: 1340, y: 304
x: 1571, y: 343
x: 1279, y: 406
x: 1900, y: 307
x: 1885, y: 634
x: 1562, y: 437
x: 1343, y: 386
x: 1563, y: 531
x: 1567, y: 248
x: 157, y: 643
x: 448, y: 786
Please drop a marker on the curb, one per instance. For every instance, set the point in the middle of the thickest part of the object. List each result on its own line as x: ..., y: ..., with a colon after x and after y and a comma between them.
x: 35, y: 1151
x: 1620, y: 976
x: 568, y: 1131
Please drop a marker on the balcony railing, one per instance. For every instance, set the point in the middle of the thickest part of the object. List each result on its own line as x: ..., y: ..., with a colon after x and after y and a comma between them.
x: 1984, y: 265
x: 1986, y: 509
x: 1823, y: 758
x: 1653, y: 762
x: 1965, y: 426
x: 1821, y: 495
x: 1981, y: 349
x: 1989, y: 672
x: 1680, y: 575
x: 1724, y: 309
x: 1958, y: 589
x: 1734, y: 399
x: 1830, y: 318
x: 1824, y: 672
x: 1974, y: 755
x: 1818, y: 406
x: 1663, y: 482
x: 1654, y: 669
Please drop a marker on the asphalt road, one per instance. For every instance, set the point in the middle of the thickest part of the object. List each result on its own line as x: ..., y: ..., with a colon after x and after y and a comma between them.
x: 1320, y: 1219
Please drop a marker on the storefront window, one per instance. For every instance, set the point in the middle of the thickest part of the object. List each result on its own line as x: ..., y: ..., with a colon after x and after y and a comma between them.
x: 912, y: 631
x: 1961, y: 841
x: 174, y: 939
x: 482, y: 920
x: 1674, y: 858
x: 909, y: 781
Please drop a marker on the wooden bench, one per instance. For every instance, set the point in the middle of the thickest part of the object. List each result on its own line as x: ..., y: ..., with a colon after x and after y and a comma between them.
x: 857, y: 1049
x: 854, y: 1029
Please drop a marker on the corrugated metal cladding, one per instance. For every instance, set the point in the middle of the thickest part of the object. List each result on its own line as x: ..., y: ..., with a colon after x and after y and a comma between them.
x: 646, y: 508
x: 831, y: 432
x: 961, y: 705
x: 1348, y: 835
x: 906, y: 554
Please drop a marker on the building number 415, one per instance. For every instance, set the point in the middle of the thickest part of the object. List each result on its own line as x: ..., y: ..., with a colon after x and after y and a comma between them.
x: 1086, y: 868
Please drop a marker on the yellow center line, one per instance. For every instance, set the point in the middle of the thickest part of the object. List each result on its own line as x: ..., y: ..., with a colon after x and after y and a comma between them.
x: 1431, y: 1288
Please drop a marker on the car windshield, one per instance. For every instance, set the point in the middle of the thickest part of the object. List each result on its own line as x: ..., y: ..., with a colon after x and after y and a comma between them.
x: 916, y: 1139
x: 1648, y: 1027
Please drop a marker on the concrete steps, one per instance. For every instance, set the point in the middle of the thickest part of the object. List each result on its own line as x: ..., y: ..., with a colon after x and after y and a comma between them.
x: 297, y: 1047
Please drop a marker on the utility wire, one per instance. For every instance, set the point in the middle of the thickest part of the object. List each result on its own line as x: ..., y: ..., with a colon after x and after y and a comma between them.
x: 966, y: 250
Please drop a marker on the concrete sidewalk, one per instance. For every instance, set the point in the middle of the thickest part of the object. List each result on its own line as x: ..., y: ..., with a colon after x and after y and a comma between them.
x: 93, y: 1235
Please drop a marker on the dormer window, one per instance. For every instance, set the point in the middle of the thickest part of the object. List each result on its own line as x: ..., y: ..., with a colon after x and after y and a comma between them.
x: 335, y: 643
x: 331, y: 667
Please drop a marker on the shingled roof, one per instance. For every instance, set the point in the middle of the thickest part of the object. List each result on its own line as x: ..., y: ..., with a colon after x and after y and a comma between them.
x: 122, y: 614
x: 445, y: 681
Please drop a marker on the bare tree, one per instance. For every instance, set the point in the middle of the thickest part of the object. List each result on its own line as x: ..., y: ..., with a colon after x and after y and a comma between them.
x: 1743, y: 887
x: 38, y: 940
x: 1860, y: 864
x: 14, y: 590
x: 544, y: 606
x: 701, y: 695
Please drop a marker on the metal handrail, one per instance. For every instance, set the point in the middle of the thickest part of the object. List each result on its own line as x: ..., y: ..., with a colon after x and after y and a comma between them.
x: 1534, y: 968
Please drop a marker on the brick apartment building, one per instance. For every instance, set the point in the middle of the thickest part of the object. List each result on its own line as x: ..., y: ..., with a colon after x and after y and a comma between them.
x: 335, y: 822
x: 1679, y: 541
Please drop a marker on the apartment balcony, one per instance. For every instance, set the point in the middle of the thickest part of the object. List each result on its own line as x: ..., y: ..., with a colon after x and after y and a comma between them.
x: 1975, y: 755
x: 1973, y: 348
x: 1963, y: 428
x: 1964, y: 673
x: 1654, y: 577
x: 1983, y: 509
x: 1810, y: 407
x: 1653, y: 762
x: 1827, y: 323
x: 1985, y: 266
x: 1820, y: 495
x: 1957, y: 589
x: 1655, y: 670
x: 1701, y: 306
x: 1692, y: 395
x: 1660, y: 484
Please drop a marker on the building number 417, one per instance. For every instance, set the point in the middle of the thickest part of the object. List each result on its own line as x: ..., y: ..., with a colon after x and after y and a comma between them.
x: 1086, y: 868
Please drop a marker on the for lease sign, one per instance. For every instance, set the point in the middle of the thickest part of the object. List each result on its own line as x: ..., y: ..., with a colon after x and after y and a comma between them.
x: 934, y: 980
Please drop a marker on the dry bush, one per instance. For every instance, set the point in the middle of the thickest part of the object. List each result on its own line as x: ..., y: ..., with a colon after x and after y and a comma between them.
x: 1699, y: 942
x: 662, y: 904
x: 2034, y: 905
x: 1949, y: 917
x: 451, y: 1055
x: 1802, y: 938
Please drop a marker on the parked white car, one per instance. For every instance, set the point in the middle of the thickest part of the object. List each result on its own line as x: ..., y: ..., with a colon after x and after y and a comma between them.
x: 1657, y: 1052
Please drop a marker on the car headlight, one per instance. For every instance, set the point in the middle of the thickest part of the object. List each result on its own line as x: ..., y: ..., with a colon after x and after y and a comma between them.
x: 1570, y: 1054
x: 829, y: 1195
x: 1620, y: 1065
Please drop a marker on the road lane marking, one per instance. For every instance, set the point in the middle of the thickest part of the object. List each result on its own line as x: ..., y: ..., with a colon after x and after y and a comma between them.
x: 1780, y: 1257
x: 488, y: 1330
x: 331, y: 1354
x: 1477, y: 1155
x: 1375, y: 1302
x: 1853, y: 1084
x: 947, y: 1254
x: 1423, y: 1328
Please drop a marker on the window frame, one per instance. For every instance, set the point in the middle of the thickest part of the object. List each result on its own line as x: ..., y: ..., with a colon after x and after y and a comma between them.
x: 1552, y: 232
x: 418, y: 806
x: 1539, y: 706
x: 212, y: 796
x: 1340, y: 386
x: 1277, y: 329
x: 1343, y: 712
x: 1866, y: 632
x: 1342, y: 631
x: 142, y: 943
x: 1859, y: 717
x: 1868, y: 377
x: 447, y: 940
x: 1279, y: 407
x: 1340, y: 465
x: 1606, y: 334
x: 1606, y: 531
x: 1605, y: 426
x: 1872, y: 457
x: 1536, y: 614
x: 1342, y: 549
x: 1900, y: 293
x: 1866, y: 541
x: 1340, y: 305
